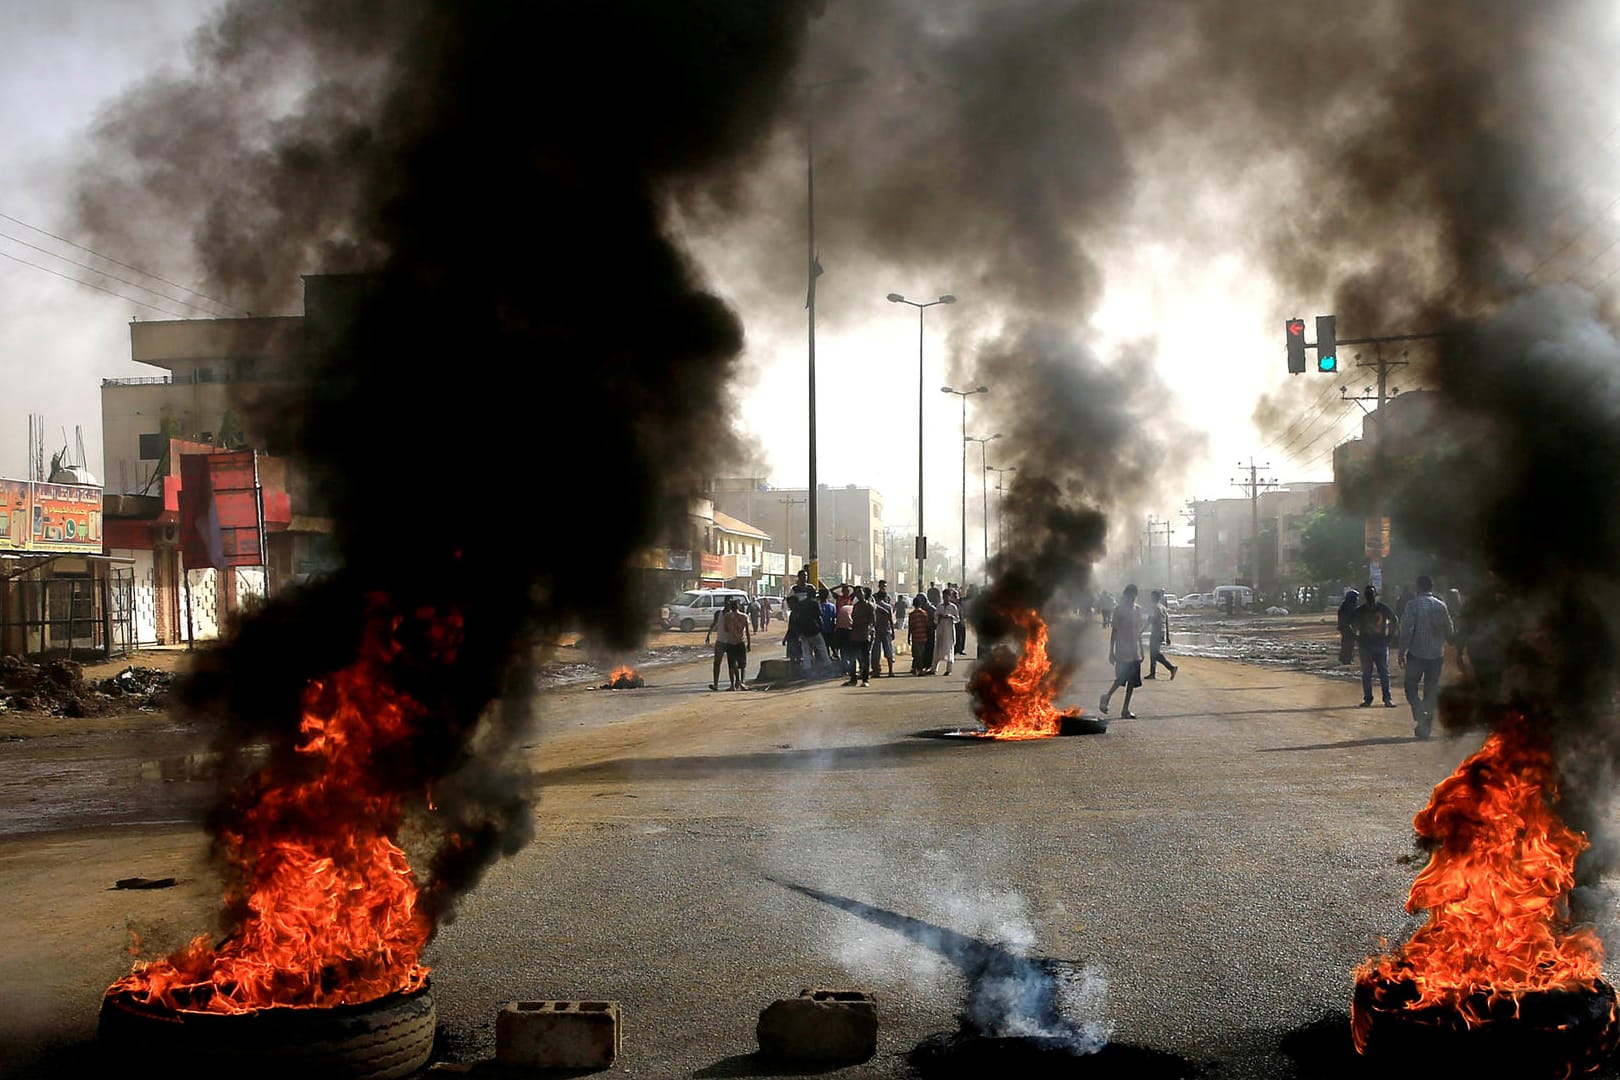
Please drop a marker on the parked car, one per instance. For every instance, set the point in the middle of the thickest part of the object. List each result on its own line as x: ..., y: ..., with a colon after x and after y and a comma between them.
x: 695, y: 608
x: 1172, y: 603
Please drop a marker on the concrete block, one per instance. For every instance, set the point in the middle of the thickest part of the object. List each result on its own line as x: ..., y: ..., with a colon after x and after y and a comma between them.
x: 820, y: 1025
x: 558, y: 1034
x: 777, y: 671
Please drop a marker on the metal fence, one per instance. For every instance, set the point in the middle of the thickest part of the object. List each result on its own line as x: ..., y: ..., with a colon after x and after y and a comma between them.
x: 68, y: 615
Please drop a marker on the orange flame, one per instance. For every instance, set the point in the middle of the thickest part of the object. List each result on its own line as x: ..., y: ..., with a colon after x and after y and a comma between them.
x: 1497, y: 891
x: 1013, y: 692
x: 328, y: 900
x: 623, y: 671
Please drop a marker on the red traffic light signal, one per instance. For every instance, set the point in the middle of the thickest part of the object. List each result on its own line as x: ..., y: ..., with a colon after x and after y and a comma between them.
x: 1296, y: 345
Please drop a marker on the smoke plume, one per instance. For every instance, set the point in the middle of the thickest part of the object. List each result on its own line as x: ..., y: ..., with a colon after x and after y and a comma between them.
x: 494, y: 381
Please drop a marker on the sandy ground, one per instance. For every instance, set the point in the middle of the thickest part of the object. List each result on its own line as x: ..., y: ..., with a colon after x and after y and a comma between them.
x: 1217, y: 865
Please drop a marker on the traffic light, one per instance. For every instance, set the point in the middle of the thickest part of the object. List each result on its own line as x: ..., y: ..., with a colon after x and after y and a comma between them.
x: 1327, y: 346
x: 1296, y: 345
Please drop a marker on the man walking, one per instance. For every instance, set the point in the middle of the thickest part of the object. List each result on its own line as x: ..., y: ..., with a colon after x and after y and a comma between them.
x: 1375, y: 625
x: 1158, y: 637
x: 1423, y: 636
x: 1124, y: 650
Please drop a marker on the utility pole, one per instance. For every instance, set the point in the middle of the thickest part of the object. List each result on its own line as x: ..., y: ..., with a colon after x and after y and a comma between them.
x: 1168, y: 569
x: 1252, y: 487
x: 1154, y: 526
x: 1189, y: 514
x: 1377, y: 534
x: 788, y: 503
x: 844, y: 568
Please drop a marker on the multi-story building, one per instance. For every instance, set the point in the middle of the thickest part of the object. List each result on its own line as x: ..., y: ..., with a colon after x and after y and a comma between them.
x: 849, y: 524
x: 223, y: 387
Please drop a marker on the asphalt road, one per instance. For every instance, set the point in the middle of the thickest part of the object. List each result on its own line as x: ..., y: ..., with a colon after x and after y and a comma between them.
x: 1201, y: 879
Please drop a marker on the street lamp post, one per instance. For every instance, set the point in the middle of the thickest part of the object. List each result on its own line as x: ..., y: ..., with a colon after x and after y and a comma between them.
x: 964, y: 395
x: 813, y: 271
x: 922, y: 538
x: 1001, y: 532
x: 984, y: 494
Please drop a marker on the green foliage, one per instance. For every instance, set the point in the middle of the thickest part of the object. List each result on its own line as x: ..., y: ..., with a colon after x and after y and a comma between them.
x: 230, y: 432
x: 1333, y: 546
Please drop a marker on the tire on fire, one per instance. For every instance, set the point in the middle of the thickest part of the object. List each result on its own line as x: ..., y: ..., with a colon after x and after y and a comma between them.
x: 385, y: 1039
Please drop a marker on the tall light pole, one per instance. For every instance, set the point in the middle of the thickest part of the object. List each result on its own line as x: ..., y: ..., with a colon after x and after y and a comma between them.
x: 1001, y: 532
x: 922, y: 538
x: 813, y: 271
x: 984, y: 493
x: 964, y: 395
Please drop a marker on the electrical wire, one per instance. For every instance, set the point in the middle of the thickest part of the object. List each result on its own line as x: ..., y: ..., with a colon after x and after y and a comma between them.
x: 105, y: 274
x: 125, y: 265
x: 98, y: 288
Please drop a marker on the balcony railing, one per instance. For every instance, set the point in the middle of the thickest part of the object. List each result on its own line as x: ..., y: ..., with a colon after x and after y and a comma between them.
x: 202, y: 379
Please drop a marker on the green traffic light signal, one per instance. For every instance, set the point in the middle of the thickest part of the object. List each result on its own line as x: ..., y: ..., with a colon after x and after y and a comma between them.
x: 1327, y: 344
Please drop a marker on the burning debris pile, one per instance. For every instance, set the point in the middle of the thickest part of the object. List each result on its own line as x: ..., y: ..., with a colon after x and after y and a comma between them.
x: 1013, y: 689
x: 1497, y: 978
x: 58, y: 687
x: 328, y: 905
x: 624, y: 677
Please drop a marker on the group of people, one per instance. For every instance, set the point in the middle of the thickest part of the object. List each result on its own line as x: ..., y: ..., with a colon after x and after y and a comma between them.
x: 1127, y: 622
x: 855, y: 629
x: 1420, y: 631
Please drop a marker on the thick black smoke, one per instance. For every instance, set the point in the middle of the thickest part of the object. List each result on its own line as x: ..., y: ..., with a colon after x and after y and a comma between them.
x: 1449, y: 174
x: 502, y: 395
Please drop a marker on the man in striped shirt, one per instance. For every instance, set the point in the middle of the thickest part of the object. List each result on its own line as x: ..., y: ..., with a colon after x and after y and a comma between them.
x: 1424, y: 633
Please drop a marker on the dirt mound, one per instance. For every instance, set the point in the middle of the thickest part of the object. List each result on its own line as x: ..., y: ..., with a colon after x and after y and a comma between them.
x: 59, y: 688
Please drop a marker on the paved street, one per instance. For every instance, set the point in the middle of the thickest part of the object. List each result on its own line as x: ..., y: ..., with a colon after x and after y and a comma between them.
x: 1206, y: 875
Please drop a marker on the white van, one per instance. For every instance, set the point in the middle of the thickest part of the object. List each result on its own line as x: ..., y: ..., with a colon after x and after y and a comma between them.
x: 1242, y: 596
x: 696, y: 607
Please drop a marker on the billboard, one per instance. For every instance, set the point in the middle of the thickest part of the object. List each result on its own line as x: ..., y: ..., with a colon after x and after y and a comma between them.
x: 56, y: 518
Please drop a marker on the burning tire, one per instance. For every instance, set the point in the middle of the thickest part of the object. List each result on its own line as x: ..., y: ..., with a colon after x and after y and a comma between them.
x: 1549, y: 1033
x: 385, y: 1039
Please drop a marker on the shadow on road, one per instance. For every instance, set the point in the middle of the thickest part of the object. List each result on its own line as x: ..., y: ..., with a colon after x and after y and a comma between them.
x: 701, y: 766
x: 1349, y: 744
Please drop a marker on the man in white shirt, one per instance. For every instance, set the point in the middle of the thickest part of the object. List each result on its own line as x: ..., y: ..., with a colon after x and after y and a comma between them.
x: 1125, y: 650
x: 946, y: 616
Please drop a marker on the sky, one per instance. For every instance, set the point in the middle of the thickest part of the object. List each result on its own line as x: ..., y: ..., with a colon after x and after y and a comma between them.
x: 1212, y: 321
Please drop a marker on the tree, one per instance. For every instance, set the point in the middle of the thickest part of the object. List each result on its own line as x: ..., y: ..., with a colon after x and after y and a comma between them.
x: 1333, y: 546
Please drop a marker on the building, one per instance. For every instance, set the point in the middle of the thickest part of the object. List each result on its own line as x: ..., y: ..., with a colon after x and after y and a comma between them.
x: 849, y: 524
x: 60, y: 594
x: 223, y: 389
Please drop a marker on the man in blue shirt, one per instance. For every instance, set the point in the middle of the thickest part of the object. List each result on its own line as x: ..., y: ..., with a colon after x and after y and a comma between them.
x: 1425, y: 629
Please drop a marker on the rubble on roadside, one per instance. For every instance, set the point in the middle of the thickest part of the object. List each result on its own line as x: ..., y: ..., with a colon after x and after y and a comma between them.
x: 59, y: 688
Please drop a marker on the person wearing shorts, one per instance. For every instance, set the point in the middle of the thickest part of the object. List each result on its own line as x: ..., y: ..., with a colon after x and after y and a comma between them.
x: 1126, y: 623
x: 739, y: 637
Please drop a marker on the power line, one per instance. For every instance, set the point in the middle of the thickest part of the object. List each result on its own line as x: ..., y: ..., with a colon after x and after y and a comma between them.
x: 103, y: 273
x: 125, y: 265
x: 1285, y: 442
x: 98, y: 288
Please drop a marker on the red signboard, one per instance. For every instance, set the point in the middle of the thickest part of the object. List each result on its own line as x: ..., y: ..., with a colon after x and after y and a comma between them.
x: 714, y: 566
x: 221, y: 523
